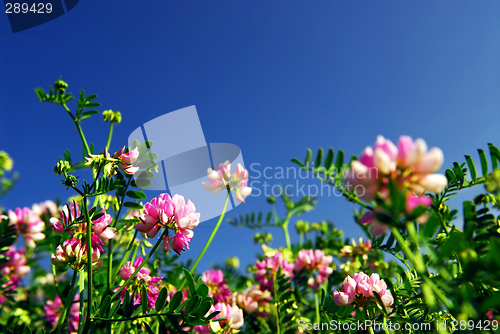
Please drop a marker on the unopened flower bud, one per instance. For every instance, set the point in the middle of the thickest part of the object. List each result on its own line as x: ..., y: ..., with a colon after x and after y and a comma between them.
x: 60, y: 86
x: 112, y: 116
x: 233, y: 262
x: 271, y: 199
x: 62, y: 167
x: 302, y: 226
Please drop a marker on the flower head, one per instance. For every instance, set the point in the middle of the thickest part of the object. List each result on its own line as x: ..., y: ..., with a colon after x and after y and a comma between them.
x: 267, y: 269
x: 172, y: 213
x: 54, y: 309
x: 409, y: 164
x: 309, y: 260
x: 28, y: 224
x: 222, y: 179
x: 127, y: 159
x: 232, y: 313
x: 218, y: 288
x: 360, y: 288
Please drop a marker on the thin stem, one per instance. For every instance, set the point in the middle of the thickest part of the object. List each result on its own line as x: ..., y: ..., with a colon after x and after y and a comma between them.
x: 89, y: 265
x: 67, y: 305
x: 316, y: 303
x: 109, y: 135
x: 212, y: 235
x: 110, y: 262
x: 81, y: 287
x: 285, y: 231
x: 79, y: 128
x: 117, y: 293
x: 125, y: 257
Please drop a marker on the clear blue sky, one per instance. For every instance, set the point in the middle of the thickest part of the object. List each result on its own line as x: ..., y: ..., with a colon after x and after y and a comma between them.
x: 273, y: 77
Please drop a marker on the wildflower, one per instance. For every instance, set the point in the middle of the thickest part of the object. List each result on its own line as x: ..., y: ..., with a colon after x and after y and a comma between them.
x: 311, y: 261
x: 28, y: 224
x: 222, y: 179
x: 54, y: 309
x: 48, y: 208
x: 409, y: 164
x: 360, y: 289
x: 74, y: 253
x: 142, y: 279
x: 267, y: 269
x: 360, y: 249
x: 127, y: 159
x: 15, y: 267
x: 102, y: 162
x: 232, y: 313
x: 172, y: 213
x: 218, y: 288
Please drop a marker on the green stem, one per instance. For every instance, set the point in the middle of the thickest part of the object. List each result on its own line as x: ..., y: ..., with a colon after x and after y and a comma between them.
x: 79, y: 128
x: 81, y: 287
x: 89, y: 266
x: 285, y: 231
x: 212, y: 235
x: 109, y: 135
x: 125, y: 257
x: 67, y: 305
x: 117, y: 293
x: 316, y: 303
x: 110, y: 262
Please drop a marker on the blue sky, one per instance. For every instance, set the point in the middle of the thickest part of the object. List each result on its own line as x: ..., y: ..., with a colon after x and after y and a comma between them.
x: 273, y: 77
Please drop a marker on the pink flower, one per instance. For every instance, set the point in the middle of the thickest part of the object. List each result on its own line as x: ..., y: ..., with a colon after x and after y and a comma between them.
x: 232, y: 313
x: 66, y: 217
x: 54, y: 310
x: 347, y: 292
x: 413, y: 201
x: 409, y: 164
x: 360, y: 249
x: 28, y: 224
x: 171, y: 213
x: 267, y: 269
x: 127, y: 159
x: 142, y: 279
x: 15, y: 267
x: 48, y: 208
x: 74, y: 253
x: 360, y: 290
x: 222, y: 178
x: 377, y: 228
x: 219, y: 290
x: 310, y: 260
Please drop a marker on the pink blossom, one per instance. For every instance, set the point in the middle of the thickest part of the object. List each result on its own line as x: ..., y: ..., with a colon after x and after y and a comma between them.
x: 310, y: 260
x: 409, y: 164
x: 219, y: 290
x: 172, y: 213
x: 222, y: 179
x: 267, y: 269
x: 232, y: 313
x: 127, y: 159
x: 141, y: 280
x: 48, y: 208
x: 54, y: 309
x: 74, y: 252
x: 377, y: 228
x: 360, y: 290
x: 15, y: 267
x: 28, y: 224
x: 347, y: 292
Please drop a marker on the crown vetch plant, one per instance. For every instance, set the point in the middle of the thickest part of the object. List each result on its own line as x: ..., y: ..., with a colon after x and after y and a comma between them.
x: 416, y: 264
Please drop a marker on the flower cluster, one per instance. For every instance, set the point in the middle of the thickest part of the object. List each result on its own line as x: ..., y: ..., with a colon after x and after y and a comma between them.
x: 222, y: 179
x: 309, y: 260
x: 48, y: 208
x: 29, y: 224
x: 267, y: 269
x: 359, y: 290
x: 73, y: 251
x: 409, y: 164
x: 142, y: 279
x: 412, y: 202
x: 232, y: 313
x: 13, y: 270
x: 54, y: 309
x: 218, y: 288
x: 172, y: 213
x: 359, y: 249
x: 109, y: 165
x: 253, y: 299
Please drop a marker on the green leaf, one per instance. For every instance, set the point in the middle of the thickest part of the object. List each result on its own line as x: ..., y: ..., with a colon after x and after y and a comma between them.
x: 87, y: 114
x: 339, y: 162
x: 495, y: 155
x: 145, y: 300
x: 162, y: 298
x: 26, y: 330
x: 190, y: 281
x: 472, y: 168
x: 103, y: 309
x: 132, y: 205
x: 91, y: 105
x: 298, y: 162
x: 141, y: 183
x: 202, y: 290
x: 192, y: 304
x: 145, y: 147
x: 91, y: 97
x: 175, y: 301
x: 149, y: 157
x: 329, y: 159
x: 148, y: 329
x: 136, y: 194
x: 319, y: 158
x: 484, y: 163
x: 308, y: 157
